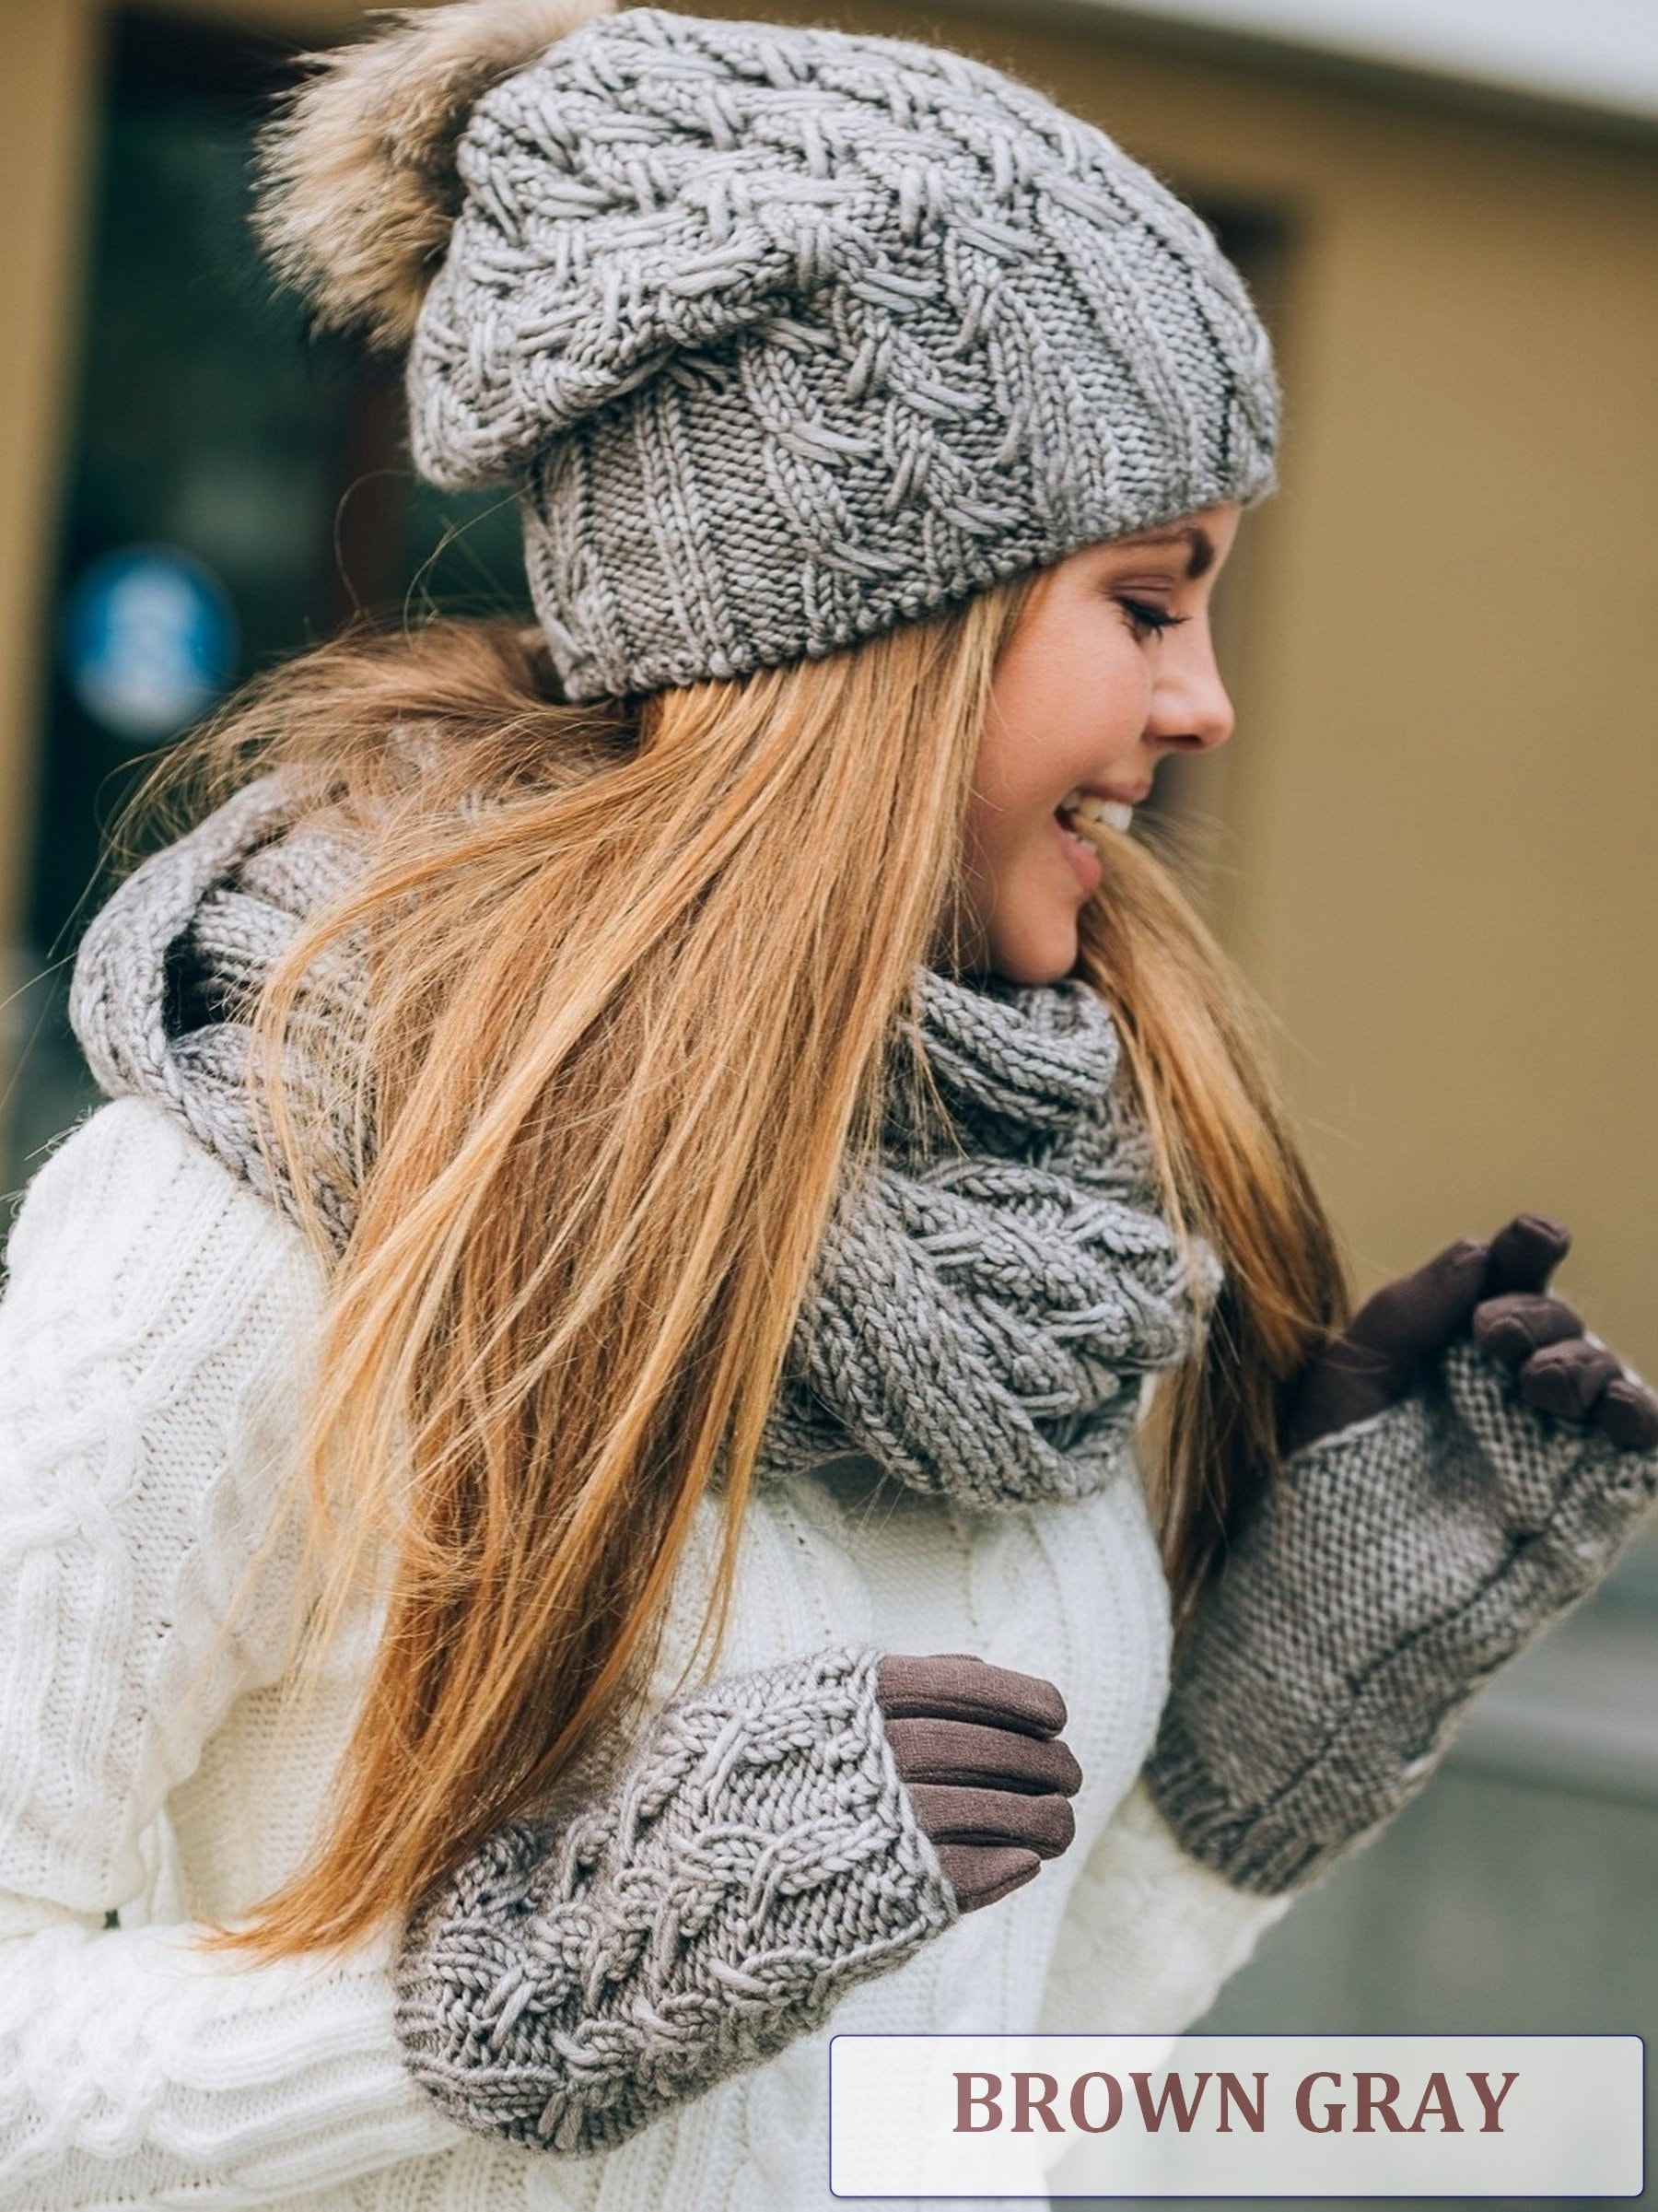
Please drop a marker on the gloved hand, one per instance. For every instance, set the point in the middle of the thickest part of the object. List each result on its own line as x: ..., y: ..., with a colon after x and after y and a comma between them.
x: 761, y: 1852
x: 1498, y: 1291
x: 977, y: 1749
x: 1466, y: 1463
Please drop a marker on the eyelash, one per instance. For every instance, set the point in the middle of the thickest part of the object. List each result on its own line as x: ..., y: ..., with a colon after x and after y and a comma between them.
x: 1148, y: 621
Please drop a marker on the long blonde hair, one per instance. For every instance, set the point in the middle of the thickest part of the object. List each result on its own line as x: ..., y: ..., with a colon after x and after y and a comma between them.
x: 635, y: 969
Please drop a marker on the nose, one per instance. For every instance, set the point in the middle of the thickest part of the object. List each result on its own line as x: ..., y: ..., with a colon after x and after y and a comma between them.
x: 1191, y: 710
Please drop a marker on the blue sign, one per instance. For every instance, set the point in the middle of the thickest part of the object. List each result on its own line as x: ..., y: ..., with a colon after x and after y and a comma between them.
x: 150, y: 642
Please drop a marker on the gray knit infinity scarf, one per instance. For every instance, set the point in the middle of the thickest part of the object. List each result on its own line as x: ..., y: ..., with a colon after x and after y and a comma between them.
x: 985, y: 1307
x: 985, y: 1314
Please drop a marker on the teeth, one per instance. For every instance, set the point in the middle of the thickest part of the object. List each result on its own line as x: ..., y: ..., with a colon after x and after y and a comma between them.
x: 1114, y: 813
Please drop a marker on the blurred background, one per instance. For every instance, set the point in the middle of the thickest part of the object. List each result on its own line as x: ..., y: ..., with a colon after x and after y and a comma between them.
x: 1431, y: 843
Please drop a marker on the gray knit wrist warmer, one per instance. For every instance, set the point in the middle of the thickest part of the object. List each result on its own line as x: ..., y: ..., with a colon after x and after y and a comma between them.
x: 576, y: 1979
x: 1400, y: 1564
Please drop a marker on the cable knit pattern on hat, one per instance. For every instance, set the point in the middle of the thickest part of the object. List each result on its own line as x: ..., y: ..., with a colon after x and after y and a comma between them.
x: 791, y: 334
x: 759, y: 1858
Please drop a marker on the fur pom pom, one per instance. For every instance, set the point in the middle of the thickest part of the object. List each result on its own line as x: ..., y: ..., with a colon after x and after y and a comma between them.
x: 358, y: 185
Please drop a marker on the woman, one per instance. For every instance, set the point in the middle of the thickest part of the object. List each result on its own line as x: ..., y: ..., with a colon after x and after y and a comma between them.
x: 572, y: 1507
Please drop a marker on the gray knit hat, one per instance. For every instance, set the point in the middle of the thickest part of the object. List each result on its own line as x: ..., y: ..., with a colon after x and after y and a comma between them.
x: 785, y: 335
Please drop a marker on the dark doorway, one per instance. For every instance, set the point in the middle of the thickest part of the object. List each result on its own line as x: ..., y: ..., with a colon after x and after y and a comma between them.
x: 213, y: 439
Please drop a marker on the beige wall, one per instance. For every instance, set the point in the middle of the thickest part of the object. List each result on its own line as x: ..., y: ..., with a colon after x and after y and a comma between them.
x: 47, y: 61
x: 1438, y: 813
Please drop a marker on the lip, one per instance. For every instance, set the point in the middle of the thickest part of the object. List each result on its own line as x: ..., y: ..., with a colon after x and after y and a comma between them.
x: 1085, y: 863
x: 1132, y: 795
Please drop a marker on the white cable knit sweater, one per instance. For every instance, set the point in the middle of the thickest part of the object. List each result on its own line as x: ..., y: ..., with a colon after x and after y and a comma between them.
x: 154, y: 1342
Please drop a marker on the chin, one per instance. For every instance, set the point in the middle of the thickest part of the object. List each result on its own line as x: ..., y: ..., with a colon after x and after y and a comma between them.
x: 1036, y: 956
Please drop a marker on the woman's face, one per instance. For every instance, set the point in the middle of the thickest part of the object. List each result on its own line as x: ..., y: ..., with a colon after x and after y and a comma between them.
x: 1111, y: 667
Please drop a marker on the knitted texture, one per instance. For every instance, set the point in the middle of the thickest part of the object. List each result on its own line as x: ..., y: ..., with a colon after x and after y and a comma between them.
x: 152, y: 1337
x: 789, y: 336
x: 1402, y: 1562
x: 986, y: 1310
x: 759, y: 1858
x: 1125, y: 1941
x: 987, y: 1300
x: 169, y: 967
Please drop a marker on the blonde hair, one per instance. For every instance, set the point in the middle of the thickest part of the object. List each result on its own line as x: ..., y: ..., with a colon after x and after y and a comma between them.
x: 634, y: 970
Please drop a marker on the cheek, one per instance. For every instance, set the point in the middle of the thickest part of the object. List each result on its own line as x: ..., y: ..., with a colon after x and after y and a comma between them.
x: 991, y: 829
x: 1063, y: 718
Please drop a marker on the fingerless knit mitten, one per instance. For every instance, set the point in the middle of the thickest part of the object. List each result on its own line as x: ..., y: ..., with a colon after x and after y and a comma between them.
x: 759, y: 1855
x: 1396, y: 1566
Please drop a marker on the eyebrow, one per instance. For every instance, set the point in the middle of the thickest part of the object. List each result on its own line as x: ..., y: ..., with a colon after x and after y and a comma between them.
x: 1202, y: 556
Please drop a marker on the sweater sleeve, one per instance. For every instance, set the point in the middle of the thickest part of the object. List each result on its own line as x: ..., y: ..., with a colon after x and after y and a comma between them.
x: 1150, y: 1935
x: 150, y: 1340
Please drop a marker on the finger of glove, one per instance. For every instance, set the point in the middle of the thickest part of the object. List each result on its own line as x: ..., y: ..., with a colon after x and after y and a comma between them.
x: 950, y: 1814
x: 948, y: 1687
x: 1344, y: 1385
x: 983, y: 1874
x: 1512, y: 1328
x: 1526, y: 1253
x: 1567, y: 1379
x: 1408, y: 1321
x: 1627, y: 1413
x: 1370, y: 1366
x: 964, y: 1752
